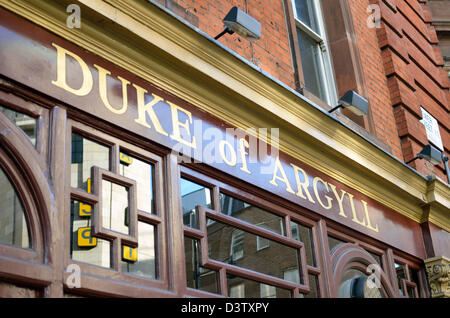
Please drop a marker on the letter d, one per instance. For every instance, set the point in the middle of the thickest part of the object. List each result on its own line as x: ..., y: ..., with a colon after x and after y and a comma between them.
x: 61, y: 81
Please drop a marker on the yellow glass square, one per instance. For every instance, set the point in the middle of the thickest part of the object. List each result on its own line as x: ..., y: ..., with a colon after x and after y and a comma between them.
x: 85, y: 237
x: 125, y: 159
x: 129, y: 254
x: 84, y: 209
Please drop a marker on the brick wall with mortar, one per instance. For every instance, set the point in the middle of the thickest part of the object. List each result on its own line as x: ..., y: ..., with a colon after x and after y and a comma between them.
x: 402, y: 64
x: 413, y: 65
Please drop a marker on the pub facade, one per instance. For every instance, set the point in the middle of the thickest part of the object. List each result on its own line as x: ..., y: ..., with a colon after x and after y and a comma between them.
x: 141, y: 157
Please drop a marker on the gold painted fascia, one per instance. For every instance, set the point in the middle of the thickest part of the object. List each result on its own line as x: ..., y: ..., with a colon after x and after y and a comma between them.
x: 437, y: 209
x: 165, y: 52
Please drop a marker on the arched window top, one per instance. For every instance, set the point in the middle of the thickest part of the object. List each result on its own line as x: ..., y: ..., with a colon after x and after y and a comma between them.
x: 14, y: 227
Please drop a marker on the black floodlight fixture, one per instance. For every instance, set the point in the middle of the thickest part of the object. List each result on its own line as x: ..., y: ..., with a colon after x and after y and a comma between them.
x: 240, y: 22
x: 447, y: 171
x: 430, y: 154
x: 353, y: 102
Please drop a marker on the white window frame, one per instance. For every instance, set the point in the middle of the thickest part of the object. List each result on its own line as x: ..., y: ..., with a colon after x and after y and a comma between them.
x: 237, y: 291
x: 237, y: 238
x: 262, y: 243
x: 267, y: 291
x: 325, y: 67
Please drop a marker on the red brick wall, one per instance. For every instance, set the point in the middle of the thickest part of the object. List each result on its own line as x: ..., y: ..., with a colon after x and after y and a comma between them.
x: 374, y: 73
x: 271, y: 53
x: 413, y: 66
x: 402, y: 65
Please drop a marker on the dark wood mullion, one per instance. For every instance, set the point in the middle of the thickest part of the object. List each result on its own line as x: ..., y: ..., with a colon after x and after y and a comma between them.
x: 223, y: 286
x: 254, y: 229
x: 85, y: 197
x: 216, y: 265
x: 313, y: 270
x: 193, y: 233
x: 57, y: 154
x: 174, y: 227
x: 326, y: 283
x: 114, y: 161
x: 148, y: 218
x: 392, y: 273
x: 256, y: 276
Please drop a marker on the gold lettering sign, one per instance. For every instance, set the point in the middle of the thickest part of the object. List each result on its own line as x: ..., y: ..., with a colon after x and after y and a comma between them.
x: 321, y: 194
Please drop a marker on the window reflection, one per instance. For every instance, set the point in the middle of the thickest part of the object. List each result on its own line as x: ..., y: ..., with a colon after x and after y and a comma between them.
x: 145, y: 265
x: 414, y: 276
x: 115, y: 214
x: 24, y: 122
x: 142, y: 173
x: 237, y: 247
x: 401, y: 275
x: 192, y: 195
x: 244, y: 288
x: 304, y: 234
x: 85, y: 155
x: 333, y: 242
x: 83, y: 246
x: 251, y: 214
x: 13, y: 224
x: 305, y: 12
x: 314, y: 287
x: 196, y: 276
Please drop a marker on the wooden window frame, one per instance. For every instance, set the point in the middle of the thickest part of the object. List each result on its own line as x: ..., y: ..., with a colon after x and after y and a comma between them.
x: 26, y: 267
x: 100, y: 280
x: 36, y: 111
x: 217, y: 187
x: 388, y: 257
x: 419, y: 291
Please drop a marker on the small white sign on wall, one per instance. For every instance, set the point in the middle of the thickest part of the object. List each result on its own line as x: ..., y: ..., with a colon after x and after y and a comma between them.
x: 432, y: 128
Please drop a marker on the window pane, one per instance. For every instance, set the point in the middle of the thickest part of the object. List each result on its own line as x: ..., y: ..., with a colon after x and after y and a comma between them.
x: 314, y: 286
x: 411, y: 292
x: 304, y: 234
x: 267, y: 291
x: 305, y: 12
x: 401, y: 275
x: 85, y: 155
x: 26, y: 123
x: 312, y: 70
x: 333, y: 242
x: 13, y: 224
x: 192, y: 195
x: 414, y: 276
x: 251, y: 214
x: 377, y: 258
x: 273, y: 260
x: 84, y: 247
x: 198, y: 277
x: 244, y: 288
x: 115, y: 214
x: 145, y: 264
x: 142, y: 173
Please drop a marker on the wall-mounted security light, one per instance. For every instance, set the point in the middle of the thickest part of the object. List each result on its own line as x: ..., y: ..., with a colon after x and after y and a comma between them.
x: 447, y: 172
x: 353, y: 102
x: 430, y: 154
x: 240, y: 22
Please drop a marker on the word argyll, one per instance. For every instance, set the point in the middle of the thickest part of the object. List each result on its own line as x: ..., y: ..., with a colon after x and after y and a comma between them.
x: 234, y: 307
